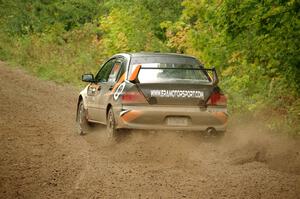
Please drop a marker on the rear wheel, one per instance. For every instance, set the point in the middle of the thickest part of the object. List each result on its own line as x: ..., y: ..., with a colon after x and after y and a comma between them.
x: 113, y: 134
x: 111, y: 130
x: 83, y: 125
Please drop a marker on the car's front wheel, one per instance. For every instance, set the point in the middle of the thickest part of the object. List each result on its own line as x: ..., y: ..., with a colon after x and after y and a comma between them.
x: 83, y: 125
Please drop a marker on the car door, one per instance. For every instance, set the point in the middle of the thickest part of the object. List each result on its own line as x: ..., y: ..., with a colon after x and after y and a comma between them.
x: 96, y: 90
x: 105, y: 80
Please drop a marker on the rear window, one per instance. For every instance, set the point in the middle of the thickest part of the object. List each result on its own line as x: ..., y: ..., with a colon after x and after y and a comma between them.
x: 169, y: 69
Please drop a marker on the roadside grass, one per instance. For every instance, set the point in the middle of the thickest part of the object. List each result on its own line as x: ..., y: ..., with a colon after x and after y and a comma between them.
x: 53, y: 57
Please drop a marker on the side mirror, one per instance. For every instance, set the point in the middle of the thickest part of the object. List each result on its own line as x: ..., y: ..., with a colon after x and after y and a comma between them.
x: 215, y: 79
x: 88, y: 78
x: 134, y: 75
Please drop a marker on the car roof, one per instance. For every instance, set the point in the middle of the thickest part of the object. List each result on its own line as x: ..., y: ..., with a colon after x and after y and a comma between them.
x: 152, y: 54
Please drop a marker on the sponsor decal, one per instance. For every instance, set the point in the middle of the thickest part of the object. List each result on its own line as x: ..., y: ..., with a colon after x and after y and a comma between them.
x: 178, y: 93
x: 119, y: 91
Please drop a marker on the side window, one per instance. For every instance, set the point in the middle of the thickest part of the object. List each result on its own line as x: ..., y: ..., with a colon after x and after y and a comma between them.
x: 104, y: 72
x: 114, y: 72
x: 122, y: 70
x: 118, y: 70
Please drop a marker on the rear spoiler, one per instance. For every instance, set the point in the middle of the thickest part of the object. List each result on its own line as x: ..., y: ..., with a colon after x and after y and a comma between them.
x: 214, y: 79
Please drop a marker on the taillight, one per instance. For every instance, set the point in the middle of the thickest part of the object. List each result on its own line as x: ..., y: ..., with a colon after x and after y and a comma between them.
x: 217, y: 99
x: 133, y: 97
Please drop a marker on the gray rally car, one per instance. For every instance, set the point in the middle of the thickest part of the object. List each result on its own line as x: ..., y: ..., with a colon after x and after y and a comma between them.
x: 157, y: 91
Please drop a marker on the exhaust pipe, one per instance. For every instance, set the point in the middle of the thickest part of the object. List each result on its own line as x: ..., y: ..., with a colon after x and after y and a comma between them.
x: 210, y: 132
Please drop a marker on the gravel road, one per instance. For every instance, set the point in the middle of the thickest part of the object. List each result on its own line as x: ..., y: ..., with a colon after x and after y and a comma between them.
x: 42, y: 157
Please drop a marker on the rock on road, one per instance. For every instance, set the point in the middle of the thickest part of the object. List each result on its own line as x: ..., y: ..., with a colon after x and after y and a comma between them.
x: 42, y: 157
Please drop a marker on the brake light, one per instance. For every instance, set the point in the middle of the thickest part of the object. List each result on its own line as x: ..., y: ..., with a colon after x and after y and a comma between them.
x: 133, y: 97
x: 217, y: 99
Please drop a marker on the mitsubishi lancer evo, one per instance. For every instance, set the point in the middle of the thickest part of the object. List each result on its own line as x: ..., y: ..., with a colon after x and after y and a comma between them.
x: 152, y: 91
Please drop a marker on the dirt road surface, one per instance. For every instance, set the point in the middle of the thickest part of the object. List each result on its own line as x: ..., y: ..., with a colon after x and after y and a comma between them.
x: 42, y: 157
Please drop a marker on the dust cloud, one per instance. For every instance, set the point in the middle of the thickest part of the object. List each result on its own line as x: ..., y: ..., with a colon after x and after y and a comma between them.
x: 245, y: 142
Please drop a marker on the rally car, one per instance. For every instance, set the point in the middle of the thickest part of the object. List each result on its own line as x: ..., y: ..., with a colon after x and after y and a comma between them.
x: 152, y: 91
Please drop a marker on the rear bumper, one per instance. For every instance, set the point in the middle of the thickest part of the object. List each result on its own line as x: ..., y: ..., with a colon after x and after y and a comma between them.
x: 158, y: 118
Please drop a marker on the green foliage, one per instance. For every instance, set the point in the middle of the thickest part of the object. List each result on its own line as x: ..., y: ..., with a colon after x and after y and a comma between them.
x: 255, y: 45
x: 60, y: 40
x: 52, y: 57
x: 124, y: 31
x: 134, y: 25
x: 32, y: 16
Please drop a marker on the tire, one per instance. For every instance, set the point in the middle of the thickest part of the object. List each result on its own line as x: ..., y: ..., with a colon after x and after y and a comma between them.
x: 83, y: 125
x: 111, y: 130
